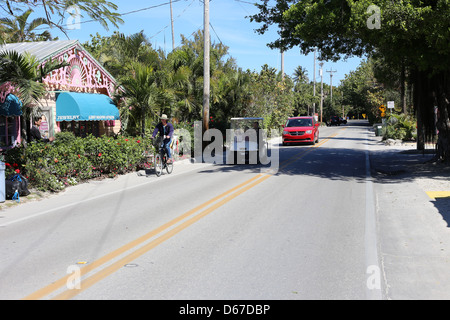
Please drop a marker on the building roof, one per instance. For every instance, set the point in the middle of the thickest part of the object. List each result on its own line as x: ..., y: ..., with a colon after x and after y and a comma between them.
x: 43, y: 50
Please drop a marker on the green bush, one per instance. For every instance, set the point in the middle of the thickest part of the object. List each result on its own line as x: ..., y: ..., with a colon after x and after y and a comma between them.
x: 400, y: 127
x: 70, y: 160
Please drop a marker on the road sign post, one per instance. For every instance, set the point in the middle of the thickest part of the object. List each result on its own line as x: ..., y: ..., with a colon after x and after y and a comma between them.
x: 391, y: 105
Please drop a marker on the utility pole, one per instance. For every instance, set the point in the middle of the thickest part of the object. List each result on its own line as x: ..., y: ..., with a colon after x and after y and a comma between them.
x: 206, y: 75
x: 331, y: 83
x: 282, y: 60
x: 321, y: 91
x: 171, y: 21
x: 314, y: 104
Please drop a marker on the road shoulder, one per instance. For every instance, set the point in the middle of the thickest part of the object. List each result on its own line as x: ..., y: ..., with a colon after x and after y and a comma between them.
x: 413, y: 228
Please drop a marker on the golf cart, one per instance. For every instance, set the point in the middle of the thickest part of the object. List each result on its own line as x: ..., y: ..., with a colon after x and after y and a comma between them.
x: 247, y: 142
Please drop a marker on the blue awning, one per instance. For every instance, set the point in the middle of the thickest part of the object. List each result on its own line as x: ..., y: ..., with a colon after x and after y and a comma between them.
x: 11, y: 107
x: 73, y: 106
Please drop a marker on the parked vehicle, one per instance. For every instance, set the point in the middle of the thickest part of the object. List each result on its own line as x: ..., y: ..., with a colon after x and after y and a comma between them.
x: 343, y: 120
x: 335, y: 121
x: 300, y: 129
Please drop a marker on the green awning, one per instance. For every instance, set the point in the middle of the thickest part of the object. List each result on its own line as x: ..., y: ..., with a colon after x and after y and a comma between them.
x: 11, y: 107
x: 73, y: 106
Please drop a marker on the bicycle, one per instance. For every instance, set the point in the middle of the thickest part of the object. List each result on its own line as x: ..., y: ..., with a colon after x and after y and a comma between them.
x: 160, y: 159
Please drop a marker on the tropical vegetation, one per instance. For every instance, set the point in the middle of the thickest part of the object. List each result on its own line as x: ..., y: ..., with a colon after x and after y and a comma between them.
x: 409, y: 37
x: 152, y: 82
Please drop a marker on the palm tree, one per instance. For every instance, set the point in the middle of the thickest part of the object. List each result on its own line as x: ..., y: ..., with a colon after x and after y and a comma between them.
x: 300, y: 75
x: 19, y: 30
x: 138, y: 69
x: 21, y: 71
x: 25, y: 73
x: 120, y: 51
x: 180, y: 83
x: 140, y: 92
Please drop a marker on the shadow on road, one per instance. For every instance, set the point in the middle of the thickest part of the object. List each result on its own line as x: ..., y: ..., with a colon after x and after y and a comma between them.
x: 389, y: 165
x: 443, y: 206
x: 348, y: 164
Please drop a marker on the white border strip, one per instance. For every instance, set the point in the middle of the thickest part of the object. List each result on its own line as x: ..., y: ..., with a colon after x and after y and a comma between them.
x: 373, y: 270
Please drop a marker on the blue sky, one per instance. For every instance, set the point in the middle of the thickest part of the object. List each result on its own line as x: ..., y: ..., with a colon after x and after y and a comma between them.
x: 229, y: 26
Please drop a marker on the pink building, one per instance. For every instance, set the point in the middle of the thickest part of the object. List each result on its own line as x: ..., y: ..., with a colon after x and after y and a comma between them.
x: 78, y: 97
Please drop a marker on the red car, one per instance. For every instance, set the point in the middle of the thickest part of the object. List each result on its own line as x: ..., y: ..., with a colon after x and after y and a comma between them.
x: 301, y: 129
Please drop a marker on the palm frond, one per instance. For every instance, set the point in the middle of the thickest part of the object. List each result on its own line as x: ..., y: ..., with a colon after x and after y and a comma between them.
x: 21, y: 71
x: 15, y: 67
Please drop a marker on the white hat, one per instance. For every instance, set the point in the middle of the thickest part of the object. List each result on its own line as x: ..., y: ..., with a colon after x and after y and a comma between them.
x: 164, y: 117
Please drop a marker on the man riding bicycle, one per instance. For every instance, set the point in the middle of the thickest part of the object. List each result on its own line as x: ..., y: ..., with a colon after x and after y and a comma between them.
x: 165, y: 130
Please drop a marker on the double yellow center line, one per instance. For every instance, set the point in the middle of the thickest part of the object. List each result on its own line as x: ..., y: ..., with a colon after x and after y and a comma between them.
x: 148, y: 241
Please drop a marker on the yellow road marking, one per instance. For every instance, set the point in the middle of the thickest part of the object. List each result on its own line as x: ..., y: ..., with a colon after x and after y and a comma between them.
x: 61, y: 282
x: 438, y: 194
x: 88, y: 282
x: 68, y: 294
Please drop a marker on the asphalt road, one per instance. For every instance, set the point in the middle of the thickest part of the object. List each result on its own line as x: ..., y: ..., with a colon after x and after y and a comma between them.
x: 304, y: 229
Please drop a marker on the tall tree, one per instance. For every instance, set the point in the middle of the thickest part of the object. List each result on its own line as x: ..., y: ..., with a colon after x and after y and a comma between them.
x: 140, y: 92
x: 300, y: 75
x: 118, y: 52
x: 273, y: 97
x: 363, y: 92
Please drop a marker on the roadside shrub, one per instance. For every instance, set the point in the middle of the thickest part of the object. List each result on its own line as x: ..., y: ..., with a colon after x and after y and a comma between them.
x: 70, y: 160
x: 400, y: 127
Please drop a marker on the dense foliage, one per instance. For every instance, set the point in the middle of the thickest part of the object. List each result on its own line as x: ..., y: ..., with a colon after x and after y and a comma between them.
x: 154, y: 82
x: 400, y: 127
x: 410, y: 36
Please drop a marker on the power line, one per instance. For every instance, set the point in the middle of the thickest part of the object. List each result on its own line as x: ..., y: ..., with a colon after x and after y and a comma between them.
x: 215, y: 33
x: 247, y: 2
x: 191, y: 35
x: 148, y: 8
x: 174, y: 19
